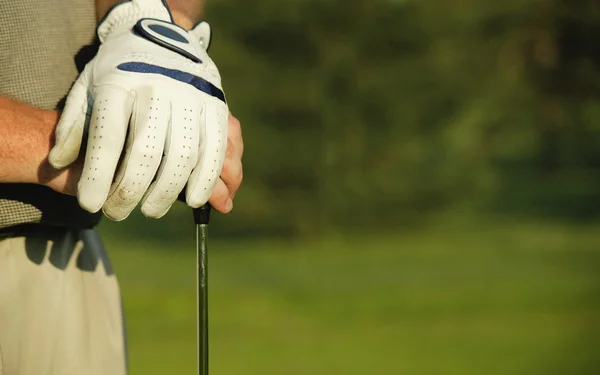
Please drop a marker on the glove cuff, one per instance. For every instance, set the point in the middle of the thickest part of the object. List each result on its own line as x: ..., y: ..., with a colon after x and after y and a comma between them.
x: 125, y: 14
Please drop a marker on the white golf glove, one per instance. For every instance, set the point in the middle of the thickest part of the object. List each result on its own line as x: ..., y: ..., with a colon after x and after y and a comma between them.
x: 151, y: 107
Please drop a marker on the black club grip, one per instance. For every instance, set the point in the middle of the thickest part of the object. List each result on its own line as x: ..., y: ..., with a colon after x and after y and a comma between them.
x: 201, y: 214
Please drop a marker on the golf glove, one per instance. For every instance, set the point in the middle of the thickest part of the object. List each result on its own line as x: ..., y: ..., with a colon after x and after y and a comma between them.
x: 151, y: 109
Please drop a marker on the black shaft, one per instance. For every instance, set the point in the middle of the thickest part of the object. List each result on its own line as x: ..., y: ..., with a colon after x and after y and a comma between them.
x: 202, y: 300
x: 201, y: 218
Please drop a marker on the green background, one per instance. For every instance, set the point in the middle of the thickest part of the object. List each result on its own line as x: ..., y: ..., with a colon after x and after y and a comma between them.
x: 421, y: 196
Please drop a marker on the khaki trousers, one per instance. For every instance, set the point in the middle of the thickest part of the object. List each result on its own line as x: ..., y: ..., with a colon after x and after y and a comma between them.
x: 60, y: 306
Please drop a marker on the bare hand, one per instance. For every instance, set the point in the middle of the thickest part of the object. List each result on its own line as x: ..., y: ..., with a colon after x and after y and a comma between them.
x: 232, y: 173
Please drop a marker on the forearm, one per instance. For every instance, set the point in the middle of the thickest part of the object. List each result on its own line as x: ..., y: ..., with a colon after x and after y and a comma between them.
x: 27, y: 136
x: 186, y: 13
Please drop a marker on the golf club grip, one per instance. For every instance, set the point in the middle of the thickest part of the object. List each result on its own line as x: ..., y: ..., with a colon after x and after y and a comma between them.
x: 201, y: 214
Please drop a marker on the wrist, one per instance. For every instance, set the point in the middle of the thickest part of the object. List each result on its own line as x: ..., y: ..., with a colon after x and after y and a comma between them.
x: 181, y: 19
x: 64, y: 180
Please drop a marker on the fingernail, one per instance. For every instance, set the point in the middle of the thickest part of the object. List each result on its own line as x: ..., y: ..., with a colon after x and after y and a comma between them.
x: 229, y: 205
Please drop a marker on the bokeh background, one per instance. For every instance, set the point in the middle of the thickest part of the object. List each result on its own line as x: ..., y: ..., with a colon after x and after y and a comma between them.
x: 421, y: 196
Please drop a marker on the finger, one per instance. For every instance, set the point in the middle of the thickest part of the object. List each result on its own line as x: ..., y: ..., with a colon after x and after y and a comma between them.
x: 71, y: 125
x: 232, y: 172
x: 143, y: 153
x: 108, y: 127
x: 234, y: 130
x: 213, y: 144
x: 180, y: 156
x: 220, y: 199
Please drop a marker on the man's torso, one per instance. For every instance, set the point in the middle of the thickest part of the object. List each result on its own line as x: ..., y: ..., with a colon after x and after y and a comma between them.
x: 44, y: 42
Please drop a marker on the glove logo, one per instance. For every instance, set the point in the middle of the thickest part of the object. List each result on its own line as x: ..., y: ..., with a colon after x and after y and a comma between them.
x: 167, y: 35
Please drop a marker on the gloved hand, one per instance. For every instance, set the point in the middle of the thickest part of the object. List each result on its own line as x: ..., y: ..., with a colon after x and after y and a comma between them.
x: 151, y: 108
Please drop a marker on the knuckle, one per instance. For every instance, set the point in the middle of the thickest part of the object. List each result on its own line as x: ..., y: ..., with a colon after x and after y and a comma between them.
x: 220, y: 193
x: 229, y: 150
x: 235, y: 148
x: 226, y: 169
x: 240, y: 176
x: 233, y: 121
x: 232, y: 169
x: 235, y: 127
x: 232, y: 174
x: 123, y: 196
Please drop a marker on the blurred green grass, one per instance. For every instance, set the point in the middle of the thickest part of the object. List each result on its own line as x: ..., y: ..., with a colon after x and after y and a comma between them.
x: 503, y: 298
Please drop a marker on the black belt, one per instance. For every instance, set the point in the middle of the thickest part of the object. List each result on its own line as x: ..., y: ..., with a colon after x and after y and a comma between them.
x: 57, y: 210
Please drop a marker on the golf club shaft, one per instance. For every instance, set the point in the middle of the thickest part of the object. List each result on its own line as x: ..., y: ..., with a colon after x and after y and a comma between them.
x: 202, y: 261
x: 201, y: 218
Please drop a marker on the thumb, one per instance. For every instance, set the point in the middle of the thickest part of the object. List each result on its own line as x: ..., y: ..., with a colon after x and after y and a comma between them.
x: 71, y: 125
x: 203, y: 33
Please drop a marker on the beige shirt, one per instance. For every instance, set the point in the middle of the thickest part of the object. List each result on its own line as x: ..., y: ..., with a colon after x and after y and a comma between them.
x: 42, y: 45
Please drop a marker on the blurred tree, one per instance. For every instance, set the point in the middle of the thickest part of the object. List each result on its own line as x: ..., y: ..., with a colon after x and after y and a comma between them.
x: 372, y: 114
